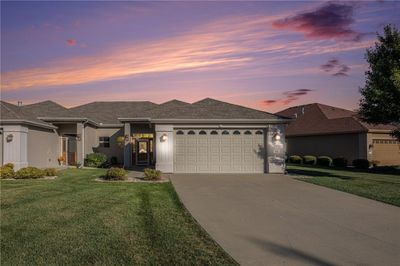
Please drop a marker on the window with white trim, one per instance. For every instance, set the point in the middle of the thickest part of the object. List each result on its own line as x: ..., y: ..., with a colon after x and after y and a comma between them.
x: 104, y: 142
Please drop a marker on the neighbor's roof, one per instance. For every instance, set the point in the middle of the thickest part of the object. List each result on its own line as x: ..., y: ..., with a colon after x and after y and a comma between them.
x: 320, y: 119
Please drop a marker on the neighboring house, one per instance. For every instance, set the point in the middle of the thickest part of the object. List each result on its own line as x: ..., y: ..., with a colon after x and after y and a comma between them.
x: 208, y: 136
x: 319, y: 129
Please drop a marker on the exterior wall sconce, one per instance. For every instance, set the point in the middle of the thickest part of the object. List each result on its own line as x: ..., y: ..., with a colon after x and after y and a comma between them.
x: 164, y: 137
x: 276, y: 137
x: 9, y: 137
x: 126, y: 138
x: 78, y: 137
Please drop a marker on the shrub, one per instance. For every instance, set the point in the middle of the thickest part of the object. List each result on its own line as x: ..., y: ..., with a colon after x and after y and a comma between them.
x: 116, y: 173
x: 339, y: 162
x: 7, y: 171
x: 324, y: 161
x: 295, y: 159
x: 113, y: 160
x: 50, y: 172
x: 29, y: 172
x: 95, y: 160
x: 361, y: 163
x: 308, y: 159
x: 151, y: 174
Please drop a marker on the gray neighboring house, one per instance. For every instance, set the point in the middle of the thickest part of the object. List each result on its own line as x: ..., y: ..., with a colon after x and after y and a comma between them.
x: 208, y: 136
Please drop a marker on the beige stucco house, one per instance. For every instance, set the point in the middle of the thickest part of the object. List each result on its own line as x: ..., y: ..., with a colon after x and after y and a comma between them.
x: 318, y: 129
x: 207, y: 136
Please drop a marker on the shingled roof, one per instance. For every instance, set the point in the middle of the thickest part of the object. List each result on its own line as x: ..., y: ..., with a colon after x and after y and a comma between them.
x: 110, y: 113
x: 319, y: 119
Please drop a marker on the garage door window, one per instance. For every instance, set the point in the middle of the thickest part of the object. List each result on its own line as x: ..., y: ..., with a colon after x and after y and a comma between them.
x: 179, y: 132
x: 225, y: 132
x: 202, y: 132
x: 247, y: 132
x: 191, y: 132
x: 214, y: 132
x: 236, y: 132
x: 259, y: 132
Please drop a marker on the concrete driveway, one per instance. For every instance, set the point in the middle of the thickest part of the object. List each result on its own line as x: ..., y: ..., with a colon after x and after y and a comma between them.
x: 277, y: 220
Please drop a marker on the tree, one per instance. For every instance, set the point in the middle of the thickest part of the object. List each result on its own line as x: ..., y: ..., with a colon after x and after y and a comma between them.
x: 380, y: 101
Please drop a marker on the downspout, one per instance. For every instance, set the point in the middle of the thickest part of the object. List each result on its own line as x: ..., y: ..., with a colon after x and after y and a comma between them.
x: 83, y: 142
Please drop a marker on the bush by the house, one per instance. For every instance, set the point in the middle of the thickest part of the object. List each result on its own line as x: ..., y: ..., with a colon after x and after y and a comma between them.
x: 29, y: 172
x: 308, y: 159
x: 95, y: 160
x: 7, y: 171
x: 361, y: 163
x: 113, y: 160
x: 151, y: 174
x: 339, y: 162
x: 50, y: 172
x: 324, y: 161
x: 295, y: 159
x: 115, y: 173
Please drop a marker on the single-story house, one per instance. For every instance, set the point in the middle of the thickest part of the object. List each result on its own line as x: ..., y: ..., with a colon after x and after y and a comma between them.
x: 318, y: 129
x: 208, y: 136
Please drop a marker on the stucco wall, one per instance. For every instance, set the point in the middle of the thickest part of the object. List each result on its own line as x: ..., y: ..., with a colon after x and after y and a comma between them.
x: 43, y: 147
x: 92, y: 141
x: 350, y: 146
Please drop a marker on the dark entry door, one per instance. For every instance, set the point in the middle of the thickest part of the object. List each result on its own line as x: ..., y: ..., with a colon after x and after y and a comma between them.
x: 142, y: 152
x: 71, y: 150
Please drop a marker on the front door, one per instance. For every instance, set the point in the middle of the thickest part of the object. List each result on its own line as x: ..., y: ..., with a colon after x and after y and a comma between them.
x: 142, y: 152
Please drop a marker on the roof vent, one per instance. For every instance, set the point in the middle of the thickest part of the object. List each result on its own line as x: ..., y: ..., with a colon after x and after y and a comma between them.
x: 302, y: 110
x: 19, y: 103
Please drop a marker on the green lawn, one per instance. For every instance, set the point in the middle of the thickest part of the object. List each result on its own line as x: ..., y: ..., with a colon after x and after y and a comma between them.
x: 75, y: 220
x: 381, y: 187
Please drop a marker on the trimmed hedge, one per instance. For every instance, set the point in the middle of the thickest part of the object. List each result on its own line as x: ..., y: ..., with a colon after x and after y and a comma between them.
x: 324, y: 161
x: 151, y: 174
x: 339, y: 162
x: 113, y: 160
x: 95, y: 159
x: 29, y: 172
x: 7, y: 171
x: 295, y: 159
x: 115, y: 173
x: 361, y: 163
x: 50, y: 172
x: 308, y: 159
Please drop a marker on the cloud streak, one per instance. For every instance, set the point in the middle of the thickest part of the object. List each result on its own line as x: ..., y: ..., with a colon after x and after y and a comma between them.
x: 218, y: 45
x: 334, y: 65
x: 288, y: 97
x: 330, y: 21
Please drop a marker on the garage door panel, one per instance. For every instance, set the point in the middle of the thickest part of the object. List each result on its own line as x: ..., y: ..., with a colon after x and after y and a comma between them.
x: 217, y: 153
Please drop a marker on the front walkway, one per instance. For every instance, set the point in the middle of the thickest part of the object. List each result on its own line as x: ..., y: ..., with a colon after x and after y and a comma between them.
x: 276, y: 220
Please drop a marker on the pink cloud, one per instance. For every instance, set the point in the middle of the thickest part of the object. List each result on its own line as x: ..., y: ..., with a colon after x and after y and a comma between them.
x: 71, y: 42
x: 288, y: 97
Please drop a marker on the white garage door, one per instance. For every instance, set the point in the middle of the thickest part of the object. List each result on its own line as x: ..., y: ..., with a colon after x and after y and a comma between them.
x: 219, y: 151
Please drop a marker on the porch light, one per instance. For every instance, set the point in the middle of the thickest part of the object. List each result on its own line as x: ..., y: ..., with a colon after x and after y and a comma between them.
x: 9, y: 137
x: 126, y: 138
x: 164, y: 137
x: 78, y: 137
x: 277, y: 137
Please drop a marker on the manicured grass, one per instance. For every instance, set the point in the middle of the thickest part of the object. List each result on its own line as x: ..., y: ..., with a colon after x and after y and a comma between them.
x: 74, y: 220
x: 381, y: 187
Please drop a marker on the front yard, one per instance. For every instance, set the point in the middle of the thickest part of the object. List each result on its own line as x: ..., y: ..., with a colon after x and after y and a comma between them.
x: 377, y: 186
x: 74, y: 220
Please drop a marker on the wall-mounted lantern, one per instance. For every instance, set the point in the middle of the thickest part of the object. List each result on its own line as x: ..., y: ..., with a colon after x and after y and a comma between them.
x: 9, y: 137
x: 78, y: 137
x: 277, y: 137
x: 126, y: 138
x: 164, y: 137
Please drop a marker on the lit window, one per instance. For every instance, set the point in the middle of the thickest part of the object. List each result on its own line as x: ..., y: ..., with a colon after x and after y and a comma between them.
x: 214, y: 132
x: 202, y: 132
x: 104, y: 142
x: 259, y: 132
x: 191, y: 132
x: 180, y: 132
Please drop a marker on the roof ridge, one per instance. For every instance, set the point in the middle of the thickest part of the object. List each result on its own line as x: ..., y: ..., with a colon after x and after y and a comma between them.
x: 5, y: 106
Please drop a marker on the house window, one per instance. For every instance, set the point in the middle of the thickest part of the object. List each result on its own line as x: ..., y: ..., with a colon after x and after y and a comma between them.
x: 202, y: 132
x: 191, y: 132
x: 180, y: 132
x: 104, y: 142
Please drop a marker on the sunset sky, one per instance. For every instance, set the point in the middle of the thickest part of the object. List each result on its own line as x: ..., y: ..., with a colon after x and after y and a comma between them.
x: 265, y: 55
